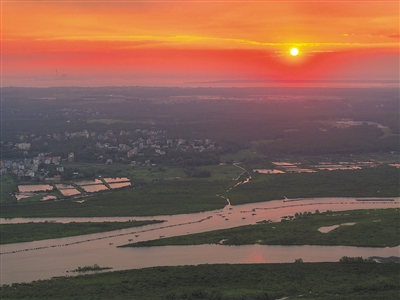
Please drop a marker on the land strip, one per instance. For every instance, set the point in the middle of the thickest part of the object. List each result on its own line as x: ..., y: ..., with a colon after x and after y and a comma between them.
x: 27, y: 232
x: 371, y: 228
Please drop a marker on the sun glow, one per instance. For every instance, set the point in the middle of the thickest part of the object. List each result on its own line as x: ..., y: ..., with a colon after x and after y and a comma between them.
x: 294, y: 51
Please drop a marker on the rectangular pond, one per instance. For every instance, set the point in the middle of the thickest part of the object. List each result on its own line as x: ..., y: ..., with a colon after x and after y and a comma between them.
x: 94, y: 188
x: 117, y: 179
x: 34, y: 188
x: 118, y: 185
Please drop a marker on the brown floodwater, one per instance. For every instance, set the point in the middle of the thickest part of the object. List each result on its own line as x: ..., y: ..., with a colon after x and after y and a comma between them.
x: 118, y: 185
x: 89, y: 182
x: 118, y: 179
x: 34, y: 188
x: 69, y: 192
x: 94, y: 188
x: 24, y: 262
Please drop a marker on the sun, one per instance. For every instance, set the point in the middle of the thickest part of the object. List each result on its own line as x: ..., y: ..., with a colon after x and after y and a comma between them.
x: 294, y: 51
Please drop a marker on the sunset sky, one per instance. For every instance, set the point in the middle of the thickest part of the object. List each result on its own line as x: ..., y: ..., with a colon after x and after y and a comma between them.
x: 52, y: 43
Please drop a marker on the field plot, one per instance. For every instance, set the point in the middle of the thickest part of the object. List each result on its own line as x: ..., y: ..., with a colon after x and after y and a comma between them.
x: 35, y: 188
x: 94, y: 188
x: 67, y: 189
x: 118, y: 179
x: 118, y: 185
x: 89, y: 182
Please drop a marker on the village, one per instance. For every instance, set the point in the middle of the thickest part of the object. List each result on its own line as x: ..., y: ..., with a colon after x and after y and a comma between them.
x: 137, y: 148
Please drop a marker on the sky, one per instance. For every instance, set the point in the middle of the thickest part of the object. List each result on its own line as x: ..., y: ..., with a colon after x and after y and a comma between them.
x: 175, y: 43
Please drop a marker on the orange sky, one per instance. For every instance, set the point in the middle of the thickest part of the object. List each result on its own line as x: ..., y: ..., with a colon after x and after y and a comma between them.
x: 170, y: 42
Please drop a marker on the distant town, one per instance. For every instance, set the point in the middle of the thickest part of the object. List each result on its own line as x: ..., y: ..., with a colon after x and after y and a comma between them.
x: 137, y: 148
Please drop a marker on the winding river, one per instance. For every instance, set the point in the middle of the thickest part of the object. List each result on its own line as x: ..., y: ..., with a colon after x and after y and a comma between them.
x: 25, y: 262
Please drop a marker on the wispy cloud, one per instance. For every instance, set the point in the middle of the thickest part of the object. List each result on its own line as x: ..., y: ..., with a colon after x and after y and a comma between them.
x: 189, y: 40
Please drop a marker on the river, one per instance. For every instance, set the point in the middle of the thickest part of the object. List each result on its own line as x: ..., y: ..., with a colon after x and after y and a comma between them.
x: 25, y: 262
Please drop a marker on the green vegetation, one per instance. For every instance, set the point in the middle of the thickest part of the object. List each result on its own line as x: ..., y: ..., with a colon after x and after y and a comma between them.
x: 326, y: 281
x: 7, y: 186
x: 163, y: 198
x: 381, y: 181
x: 27, y: 232
x: 95, y: 267
x: 373, y: 228
x: 177, y: 196
x: 312, y: 141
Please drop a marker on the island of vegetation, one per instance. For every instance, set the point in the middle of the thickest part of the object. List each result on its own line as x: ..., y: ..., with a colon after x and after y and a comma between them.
x: 95, y: 267
x: 369, y: 228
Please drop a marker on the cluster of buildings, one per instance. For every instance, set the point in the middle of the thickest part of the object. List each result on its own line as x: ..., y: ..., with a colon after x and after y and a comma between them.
x: 131, y: 142
x: 30, y: 167
x: 128, y: 144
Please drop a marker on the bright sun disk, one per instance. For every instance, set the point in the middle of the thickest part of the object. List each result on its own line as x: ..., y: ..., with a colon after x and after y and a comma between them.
x: 294, y: 51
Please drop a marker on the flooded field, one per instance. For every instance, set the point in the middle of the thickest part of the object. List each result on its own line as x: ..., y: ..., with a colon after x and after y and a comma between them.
x: 268, y: 171
x: 63, y: 186
x: 20, y: 196
x: 89, y: 182
x: 117, y: 185
x: 118, y: 179
x: 67, y: 189
x: 34, y: 188
x: 70, y: 192
x: 94, y: 188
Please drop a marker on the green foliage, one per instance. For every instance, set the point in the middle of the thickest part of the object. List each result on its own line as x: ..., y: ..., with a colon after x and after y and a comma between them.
x: 198, y: 173
x: 223, y: 282
x: 26, y: 232
x: 95, y: 267
x: 355, y: 260
x: 367, y: 232
x: 8, y: 187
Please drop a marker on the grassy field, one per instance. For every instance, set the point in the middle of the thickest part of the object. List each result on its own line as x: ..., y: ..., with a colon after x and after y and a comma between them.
x: 240, y: 155
x: 154, y: 173
x: 326, y: 281
x: 382, y: 181
x: 162, y: 198
x: 27, y: 232
x: 8, y: 185
x: 177, y: 196
x: 373, y: 228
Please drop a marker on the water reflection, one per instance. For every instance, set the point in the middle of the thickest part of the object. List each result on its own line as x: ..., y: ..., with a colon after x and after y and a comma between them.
x: 27, y: 267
